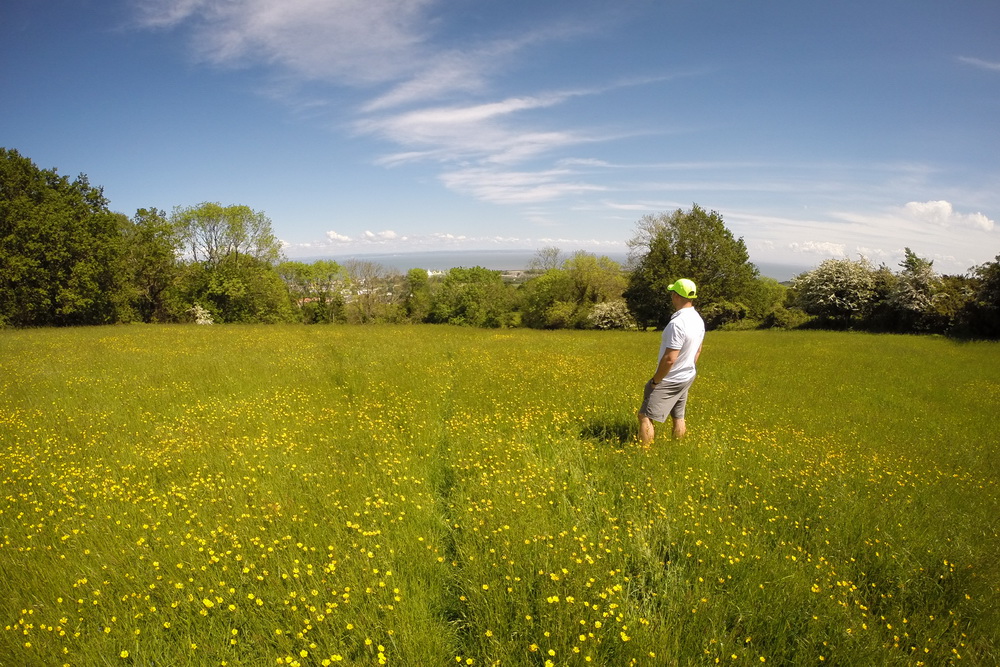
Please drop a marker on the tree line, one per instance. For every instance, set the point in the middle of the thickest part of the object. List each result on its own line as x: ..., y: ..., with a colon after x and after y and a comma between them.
x: 67, y: 259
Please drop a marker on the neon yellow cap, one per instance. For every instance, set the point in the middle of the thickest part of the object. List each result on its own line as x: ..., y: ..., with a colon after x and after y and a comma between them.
x: 685, y: 288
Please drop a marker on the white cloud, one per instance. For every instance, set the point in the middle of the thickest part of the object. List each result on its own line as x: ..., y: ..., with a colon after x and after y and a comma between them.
x: 388, y: 241
x: 943, y: 213
x: 387, y: 235
x: 357, y: 41
x: 825, y: 248
x: 977, y: 62
x: 484, y: 132
x: 515, y: 187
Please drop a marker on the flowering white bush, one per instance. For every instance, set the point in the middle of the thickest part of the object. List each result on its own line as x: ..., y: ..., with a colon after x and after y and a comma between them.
x: 611, y: 315
x: 201, y: 315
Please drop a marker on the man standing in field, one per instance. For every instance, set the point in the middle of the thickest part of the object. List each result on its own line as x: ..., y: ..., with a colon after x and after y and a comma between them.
x: 666, y: 392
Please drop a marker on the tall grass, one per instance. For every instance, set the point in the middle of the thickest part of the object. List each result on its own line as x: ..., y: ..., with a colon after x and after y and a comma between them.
x: 433, y: 495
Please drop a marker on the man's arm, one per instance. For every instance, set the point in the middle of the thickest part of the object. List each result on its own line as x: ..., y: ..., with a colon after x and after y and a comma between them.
x: 666, y: 362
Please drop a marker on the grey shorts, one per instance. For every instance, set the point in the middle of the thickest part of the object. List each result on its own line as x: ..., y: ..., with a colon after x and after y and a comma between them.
x: 664, y: 399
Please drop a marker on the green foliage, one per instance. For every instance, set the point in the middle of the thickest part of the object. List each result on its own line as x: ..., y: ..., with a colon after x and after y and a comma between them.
x: 65, y: 259
x: 781, y: 317
x: 248, y: 290
x: 844, y: 293
x: 417, y: 298
x: 565, y: 297
x: 981, y: 317
x: 315, y: 289
x: 720, y: 313
x: 691, y: 244
x: 475, y: 297
x: 911, y: 299
x: 764, y: 296
x: 541, y: 294
x: 60, y: 248
x: 151, y: 244
x: 231, y: 273
x: 213, y: 233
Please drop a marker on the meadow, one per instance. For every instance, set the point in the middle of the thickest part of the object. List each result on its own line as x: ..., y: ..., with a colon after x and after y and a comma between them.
x: 428, y: 495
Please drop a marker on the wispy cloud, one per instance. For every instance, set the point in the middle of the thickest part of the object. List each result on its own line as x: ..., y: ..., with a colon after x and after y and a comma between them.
x: 390, y: 241
x: 516, y: 187
x: 488, y: 133
x: 977, y: 62
x: 395, y: 49
x: 352, y: 41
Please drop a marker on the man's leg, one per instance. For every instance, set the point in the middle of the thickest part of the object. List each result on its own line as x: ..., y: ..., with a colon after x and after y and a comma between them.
x: 646, y: 431
x: 677, y: 413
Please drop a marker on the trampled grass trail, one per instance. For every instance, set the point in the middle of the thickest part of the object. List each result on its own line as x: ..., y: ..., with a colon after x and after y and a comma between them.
x: 427, y: 495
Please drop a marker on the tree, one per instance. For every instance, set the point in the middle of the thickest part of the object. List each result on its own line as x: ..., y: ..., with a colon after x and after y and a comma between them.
x: 691, y: 244
x: 150, y: 261
x: 547, y: 300
x: 232, y: 257
x: 417, y: 295
x: 840, y: 291
x: 764, y: 297
x: 315, y: 289
x: 594, y: 279
x: 373, y: 292
x: 564, y: 297
x: 546, y: 258
x: 214, y: 233
x: 474, y: 297
x: 981, y: 317
x: 911, y: 299
x: 60, y: 248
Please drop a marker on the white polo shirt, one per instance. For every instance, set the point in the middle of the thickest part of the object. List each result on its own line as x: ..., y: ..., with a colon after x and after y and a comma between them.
x: 684, y: 332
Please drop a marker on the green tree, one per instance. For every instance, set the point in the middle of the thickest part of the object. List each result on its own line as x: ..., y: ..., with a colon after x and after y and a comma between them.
x: 151, y: 246
x: 244, y: 290
x: 60, y: 248
x: 547, y: 301
x: 315, y: 289
x: 474, y: 297
x: 981, y: 316
x: 765, y: 295
x: 232, y: 257
x: 565, y: 297
x: 417, y: 295
x: 691, y: 244
x: 952, y: 298
x: 214, y: 233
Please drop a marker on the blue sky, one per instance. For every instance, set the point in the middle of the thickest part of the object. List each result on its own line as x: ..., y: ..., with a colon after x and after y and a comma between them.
x: 817, y: 130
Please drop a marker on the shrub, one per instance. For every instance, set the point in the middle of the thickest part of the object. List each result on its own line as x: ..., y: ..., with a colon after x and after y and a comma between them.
x: 611, y: 315
x: 785, y: 318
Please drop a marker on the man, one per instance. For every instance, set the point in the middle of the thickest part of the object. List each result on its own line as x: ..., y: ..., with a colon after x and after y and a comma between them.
x: 680, y: 346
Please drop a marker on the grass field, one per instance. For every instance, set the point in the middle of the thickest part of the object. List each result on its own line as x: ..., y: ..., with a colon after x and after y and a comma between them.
x: 430, y: 495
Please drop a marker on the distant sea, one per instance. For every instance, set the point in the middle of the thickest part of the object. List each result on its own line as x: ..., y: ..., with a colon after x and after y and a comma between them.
x: 505, y: 260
